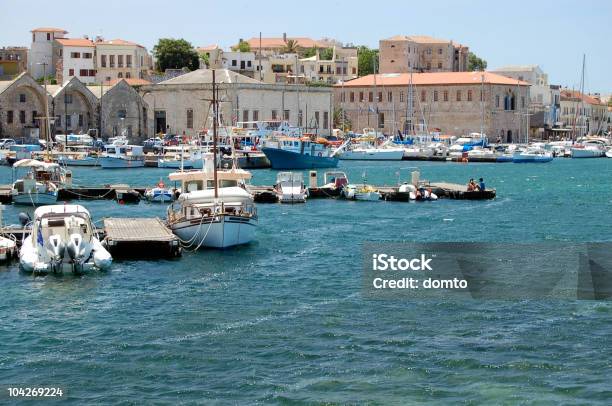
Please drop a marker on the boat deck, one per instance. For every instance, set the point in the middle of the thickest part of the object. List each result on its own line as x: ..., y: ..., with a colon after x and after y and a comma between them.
x: 140, y: 237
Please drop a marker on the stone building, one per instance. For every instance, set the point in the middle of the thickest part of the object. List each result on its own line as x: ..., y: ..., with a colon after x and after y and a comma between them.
x: 421, y: 53
x: 582, y: 113
x: 121, y: 59
x: 446, y: 102
x: 22, y: 104
x: 13, y: 61
x: 183, y: 105
x: 123, y: 112
x: 75, y: 108
x: 41, y: 59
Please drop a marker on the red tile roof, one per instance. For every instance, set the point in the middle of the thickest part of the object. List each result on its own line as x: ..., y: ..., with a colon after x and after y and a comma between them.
x: 75, y: 42
x: 49, y: 29
x: 567, y: 94
x: 434, y: 78
x: 208, y: 48
x: 280, y: 43
x: 130, y: 81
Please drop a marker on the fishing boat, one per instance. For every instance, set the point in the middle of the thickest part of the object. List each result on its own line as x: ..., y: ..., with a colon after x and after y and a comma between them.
x: 290, y: 188
x: 185, y: 157
x: 41, y: 183
x: 160, y: 193
x: 589, y: 148
x: 333, y: 183
x: 361, y: 192
x: 122, y: 156
x: 62, y: 238
x: 532, y: 155
x: 299, y: 153
x: 214, y: 209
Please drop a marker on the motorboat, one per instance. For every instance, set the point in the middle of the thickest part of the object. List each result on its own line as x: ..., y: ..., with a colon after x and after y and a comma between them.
x: 41, y: 184
x: 62, y: 238
x: 118, y: 141
x: 78, y: 155
x: 181, y: 157
x: 532, y: 155
x: 479, y: 154
x: 589, y: 148
x: 160, y: 193
x: 123, y: 156
x: 290, y: 188
x: 361, y: 192
x: 333, y: 183
x: 209, y: 214
x: 369, y: 152
x: 609, y: 153
x: 299, y: 153
x: 467, y: 143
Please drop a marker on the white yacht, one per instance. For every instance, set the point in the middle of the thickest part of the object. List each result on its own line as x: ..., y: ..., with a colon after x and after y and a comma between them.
x: 290, y: 187
x: 62, y: 238
x: 122, y: 156
x: 41, y: 184
x: 532, y: 155
x: 589, y: 148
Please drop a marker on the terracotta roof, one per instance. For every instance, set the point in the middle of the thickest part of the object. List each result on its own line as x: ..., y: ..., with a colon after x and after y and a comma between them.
x: 280, y: 43
x: 130, y: 81
x: 567, y: 94
x: 420, y: 39
x: 208, y: 48
x: 435, y: 78
x: 75, y: 42
x: 49, y: 29
x: 118, y: 41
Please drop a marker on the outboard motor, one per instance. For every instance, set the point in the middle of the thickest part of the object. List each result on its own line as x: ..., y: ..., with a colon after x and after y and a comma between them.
x: 57, y: 248
x: 76, y: 251
x: 24, y: 218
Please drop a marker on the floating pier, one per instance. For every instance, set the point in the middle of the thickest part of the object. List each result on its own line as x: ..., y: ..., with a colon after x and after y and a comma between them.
x: 140, y: 238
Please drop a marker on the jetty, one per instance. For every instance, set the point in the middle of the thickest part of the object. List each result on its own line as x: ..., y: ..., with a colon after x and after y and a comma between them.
x: 139, y: 238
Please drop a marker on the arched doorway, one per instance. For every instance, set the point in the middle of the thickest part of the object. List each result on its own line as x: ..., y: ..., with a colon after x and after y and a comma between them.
x: 509, y: 137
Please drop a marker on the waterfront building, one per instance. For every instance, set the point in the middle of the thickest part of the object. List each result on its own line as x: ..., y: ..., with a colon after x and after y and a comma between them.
x: 421, y: 53
x: 121, y: 59
x: 74, y: 58
x: 241, y: 62
x: 13, y: 61
x: 582, y: 113
x: 41, y: 58
x: 183, y: 105
x: 22, y: 104
x: 75, y: 108
x: 454, y: 103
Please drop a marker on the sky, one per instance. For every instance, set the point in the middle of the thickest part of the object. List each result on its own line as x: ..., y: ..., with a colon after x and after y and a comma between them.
x: 551, y: 34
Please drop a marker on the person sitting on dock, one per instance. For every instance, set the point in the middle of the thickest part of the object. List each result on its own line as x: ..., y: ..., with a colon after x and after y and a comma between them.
x: 481, y: 185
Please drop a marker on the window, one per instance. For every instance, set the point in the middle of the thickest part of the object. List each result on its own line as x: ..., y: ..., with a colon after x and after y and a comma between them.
x: 9, y: 117
x: 128, y: 75
x: 80, y: 120
x: 523, y: 102
x: 428, y: 51
x: 446, y: 95
x: 249, y: 64
x: 120, y: 75
x: 361, y: 97
x: 401, y: 97
x: 354, y: 71
x: 316, y: 119
x: 234, y: 62
x: 255, y: 115
x: 439, y: 51
x: 83, y: 72
x: 22, y: 98
x: 48, y: 37
x: 352, y: 97
x: 245, y: 117
x: 428, y: 65
x: 70, y: 72
x: 103, y: 61
x: 111, y: 61
x: 370, y: 97
x: 120, y: 61
x: 423, y: 96
x: 469, y: 97
x: 325, y: 119
x: 300, y: 118
x: 68, y: 98
x: 34, y: 114
x: 68, y: 121
x: 458, y: 95
x: 190, y: 118
x: 286, y: 115
x: 128, y: 61
x: 121, y: 114
x: 242, y: 65
x: 390, y: 97
x: 87, y: 55
x: 435, y: 96
x: 497, y: 100
x: 75, y: 55
x: 379, y: 96
x: 439, y: 65
x: 274, y: 114
x: 92, y: 72
x: 381, y: 120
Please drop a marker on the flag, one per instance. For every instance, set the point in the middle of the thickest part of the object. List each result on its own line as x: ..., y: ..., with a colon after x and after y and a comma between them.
x: 39, y: 238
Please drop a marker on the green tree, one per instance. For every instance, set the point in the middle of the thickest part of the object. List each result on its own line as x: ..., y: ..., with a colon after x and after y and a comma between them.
x: 327, y: 54
x: 341, y: 120
x: 308, y: 52
x: 205, y: 58
x: 366, y: 59
x: 475, y: 63
x: 242, y: 46
x: 175, y: 54
x: 291, y: 46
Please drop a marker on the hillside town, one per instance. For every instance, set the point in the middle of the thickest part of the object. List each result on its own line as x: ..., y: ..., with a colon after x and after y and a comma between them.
x: 115, y: 86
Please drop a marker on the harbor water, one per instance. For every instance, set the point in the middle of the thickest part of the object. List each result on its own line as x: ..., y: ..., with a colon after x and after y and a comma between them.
x: 283, y: 320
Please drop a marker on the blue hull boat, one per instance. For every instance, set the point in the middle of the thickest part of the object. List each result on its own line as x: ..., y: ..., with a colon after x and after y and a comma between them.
x: 283, y: 159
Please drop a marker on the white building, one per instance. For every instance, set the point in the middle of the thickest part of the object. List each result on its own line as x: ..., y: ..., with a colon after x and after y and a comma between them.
x: 41, y: 58
x: 532, y: 74
x: 241, y: 62
x: 75, y: 58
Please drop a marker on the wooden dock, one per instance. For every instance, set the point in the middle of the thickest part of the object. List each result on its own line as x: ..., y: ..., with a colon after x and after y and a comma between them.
x: 142, y: 238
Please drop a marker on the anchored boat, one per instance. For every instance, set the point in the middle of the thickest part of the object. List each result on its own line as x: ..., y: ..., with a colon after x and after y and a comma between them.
x: 532, y: 155
x: 40, y: 185
x: 62, y: 238
x: 290, y: 187
x: 299, y: 153
x: 122, y: 156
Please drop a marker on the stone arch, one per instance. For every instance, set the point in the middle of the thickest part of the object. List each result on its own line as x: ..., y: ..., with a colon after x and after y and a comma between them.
x: 123, y: 111
x: 75, y: 100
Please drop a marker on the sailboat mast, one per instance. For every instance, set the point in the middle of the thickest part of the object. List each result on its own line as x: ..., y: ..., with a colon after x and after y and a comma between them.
x: 215, y: 115
x: 582, y: 95
x: 481, y: 105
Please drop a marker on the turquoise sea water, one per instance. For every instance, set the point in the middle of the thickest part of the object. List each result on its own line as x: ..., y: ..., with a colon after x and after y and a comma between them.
x: 283, y: 320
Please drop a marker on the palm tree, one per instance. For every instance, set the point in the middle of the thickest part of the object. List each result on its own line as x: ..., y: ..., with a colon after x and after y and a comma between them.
x: 291, y: 46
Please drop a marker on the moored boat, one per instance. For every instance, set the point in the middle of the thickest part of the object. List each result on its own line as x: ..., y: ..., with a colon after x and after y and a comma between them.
x: 532, y: 155
x: 41, y: 184
x: 299, y: 153
x: 122, y: 156
x: 290, y: 188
